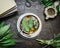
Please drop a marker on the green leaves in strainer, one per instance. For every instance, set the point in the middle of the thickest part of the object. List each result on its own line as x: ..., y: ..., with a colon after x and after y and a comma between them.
x: 27, y: 24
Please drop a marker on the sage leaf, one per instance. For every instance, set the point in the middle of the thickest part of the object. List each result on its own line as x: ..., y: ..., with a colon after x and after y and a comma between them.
x: 9, y: 42
x: 4, y: 29
x: 8, y: 36
x: 25, y: 24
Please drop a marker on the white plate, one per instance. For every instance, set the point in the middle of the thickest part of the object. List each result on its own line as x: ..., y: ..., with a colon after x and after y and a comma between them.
x: 33, y: 34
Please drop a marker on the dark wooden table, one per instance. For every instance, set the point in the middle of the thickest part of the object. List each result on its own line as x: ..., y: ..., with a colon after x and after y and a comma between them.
x: 49, y: 28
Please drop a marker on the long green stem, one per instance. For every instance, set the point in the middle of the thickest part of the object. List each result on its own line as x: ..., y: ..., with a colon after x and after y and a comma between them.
x: 45, y: 41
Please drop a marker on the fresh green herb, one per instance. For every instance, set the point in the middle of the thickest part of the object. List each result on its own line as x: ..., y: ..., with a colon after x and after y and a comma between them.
x: 58, y: 8
x: 55, y: 42
x: 9, y: 43
x: 8, y: 36
x: 27, y: 24
x: 5, y: 36
x: 46, y: 2
x: 4, y: 29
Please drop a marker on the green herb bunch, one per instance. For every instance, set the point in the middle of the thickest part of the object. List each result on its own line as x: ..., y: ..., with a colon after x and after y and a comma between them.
x: 55, y: 42
x: 47, y: 2
x: 5, y: 36
x: 27, y: 24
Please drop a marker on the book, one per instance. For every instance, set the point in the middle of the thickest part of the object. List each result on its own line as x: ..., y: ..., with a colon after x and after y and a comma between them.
x: 7, y: 7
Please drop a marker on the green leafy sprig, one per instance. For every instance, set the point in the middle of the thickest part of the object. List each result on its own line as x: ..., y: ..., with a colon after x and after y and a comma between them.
x: 5, y: 36
x: 55, y: 42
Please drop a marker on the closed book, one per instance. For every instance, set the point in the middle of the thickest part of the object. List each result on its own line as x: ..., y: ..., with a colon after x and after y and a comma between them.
x: 7, y: 7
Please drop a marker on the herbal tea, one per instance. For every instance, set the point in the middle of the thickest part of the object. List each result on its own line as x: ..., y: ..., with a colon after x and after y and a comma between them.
x: 51, y: 11
x: 29, y: 24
